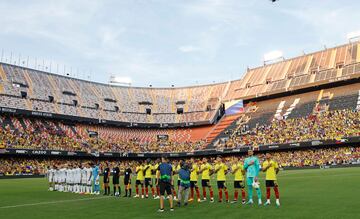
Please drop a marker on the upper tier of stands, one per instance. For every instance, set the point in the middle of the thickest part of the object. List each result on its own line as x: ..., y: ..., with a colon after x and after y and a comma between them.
x: 324, y: 66
x: 52, y: 93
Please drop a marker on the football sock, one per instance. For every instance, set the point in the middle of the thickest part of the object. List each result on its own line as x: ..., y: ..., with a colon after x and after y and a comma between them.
x: 211, y: 193
x: 191, y: 193
x: 258, y: 192
x: 250, y: 192
x: 276, y: 190
x: 197, y: 193
x: 236, y: 194
x: 97, y: 188
x: 268, y: 192
x: 220, y: 194
x: 243, y: 194
x: 226, y: 195
x: 158, y: 191
x: 204, y: 192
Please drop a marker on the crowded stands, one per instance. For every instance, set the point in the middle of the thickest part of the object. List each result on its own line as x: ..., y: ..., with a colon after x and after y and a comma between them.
x: 325, y: 125
x: 302, y: 158
x: 24, y: 133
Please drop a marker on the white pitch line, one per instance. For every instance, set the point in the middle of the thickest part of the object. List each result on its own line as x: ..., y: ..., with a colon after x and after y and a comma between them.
x: 52, y: 202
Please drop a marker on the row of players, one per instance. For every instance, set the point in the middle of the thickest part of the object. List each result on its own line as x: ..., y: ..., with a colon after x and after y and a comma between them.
x: 86, y: 180
x: 71, y: 178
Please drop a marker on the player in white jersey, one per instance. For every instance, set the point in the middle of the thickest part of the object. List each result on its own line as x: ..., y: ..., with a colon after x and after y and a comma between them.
x: 56, y: 178
x: 77, y: 179
x: 72, y: 179
x: 68, y: 179
x: 50, y: 176
x: 63, y: 173
x: 88, y: 171
x: 83, y: 180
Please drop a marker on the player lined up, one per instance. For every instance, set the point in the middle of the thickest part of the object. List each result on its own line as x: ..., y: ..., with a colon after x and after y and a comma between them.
x: 71, y: 179
x: 86, y: 180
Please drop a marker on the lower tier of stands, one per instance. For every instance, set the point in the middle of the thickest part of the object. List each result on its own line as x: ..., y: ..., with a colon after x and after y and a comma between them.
x: 298, y: 158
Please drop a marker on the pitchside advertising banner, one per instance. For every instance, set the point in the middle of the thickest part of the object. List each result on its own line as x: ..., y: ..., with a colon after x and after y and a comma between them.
x: 240, y: 150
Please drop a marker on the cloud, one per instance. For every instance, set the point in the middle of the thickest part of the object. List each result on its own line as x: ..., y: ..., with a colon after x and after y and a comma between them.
x: 153, y: 42
x: 188, y: 48
x: 110, y: 36
x: 329, y: 22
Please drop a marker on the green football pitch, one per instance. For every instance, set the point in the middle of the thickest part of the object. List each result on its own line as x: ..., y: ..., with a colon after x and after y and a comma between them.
x: 316, y: 193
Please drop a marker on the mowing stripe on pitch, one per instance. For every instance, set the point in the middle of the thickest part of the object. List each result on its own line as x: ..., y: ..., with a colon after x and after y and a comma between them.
x: 52, y: 202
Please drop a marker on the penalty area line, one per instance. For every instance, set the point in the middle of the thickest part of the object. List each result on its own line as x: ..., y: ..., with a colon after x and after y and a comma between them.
x: 51, y: 202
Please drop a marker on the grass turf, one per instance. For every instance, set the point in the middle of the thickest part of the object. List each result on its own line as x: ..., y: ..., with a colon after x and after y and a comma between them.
x: 325, y: 193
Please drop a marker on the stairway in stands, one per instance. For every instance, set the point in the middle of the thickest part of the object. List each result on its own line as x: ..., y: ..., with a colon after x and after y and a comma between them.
x: 226, y: 121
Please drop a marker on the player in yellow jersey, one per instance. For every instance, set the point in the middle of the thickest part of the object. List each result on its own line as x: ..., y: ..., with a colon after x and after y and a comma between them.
x: 221, y: 170
x: 139, y: 180
x: 148, y: 174
x: 205, y: 170
x: 193, y: 180
x: 271, y: 168
x: 176, y: 172
x: 238, y: 170
x: 176, y: 167
x: 154, y: 172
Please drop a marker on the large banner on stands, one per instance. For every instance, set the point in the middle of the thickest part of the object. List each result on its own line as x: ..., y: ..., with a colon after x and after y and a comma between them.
x: 234, y: 107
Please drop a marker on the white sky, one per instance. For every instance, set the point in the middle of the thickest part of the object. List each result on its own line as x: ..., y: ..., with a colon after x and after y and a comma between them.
x: 164, y: 42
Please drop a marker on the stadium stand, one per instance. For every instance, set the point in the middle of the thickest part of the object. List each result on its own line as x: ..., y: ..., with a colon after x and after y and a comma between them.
x: 318, y: 89
x: 325, y: 114
x: 279, y: 117
x: 40, y: 91
x: 30, y: 133
x: 303, y: 158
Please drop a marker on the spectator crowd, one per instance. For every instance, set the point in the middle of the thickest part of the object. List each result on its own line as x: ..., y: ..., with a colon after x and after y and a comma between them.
x: 46, y: 135
x: 300, y: 158
x: 326, y: 125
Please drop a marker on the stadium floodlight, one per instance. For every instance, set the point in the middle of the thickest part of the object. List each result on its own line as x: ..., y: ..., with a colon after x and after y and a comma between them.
x: 353, y: 36
x: 118, y: 80
x: 273, y: 56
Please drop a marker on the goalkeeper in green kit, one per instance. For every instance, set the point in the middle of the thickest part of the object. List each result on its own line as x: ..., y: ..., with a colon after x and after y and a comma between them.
x: 252, y: 167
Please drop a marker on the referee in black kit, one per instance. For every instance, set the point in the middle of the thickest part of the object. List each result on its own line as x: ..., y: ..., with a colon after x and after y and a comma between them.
x: 116, y: 179
x: 106, y: 180
x: 127, y: 182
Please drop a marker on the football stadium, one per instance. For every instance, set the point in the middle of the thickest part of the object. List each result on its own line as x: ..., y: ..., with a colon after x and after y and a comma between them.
x: 156, y: 133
